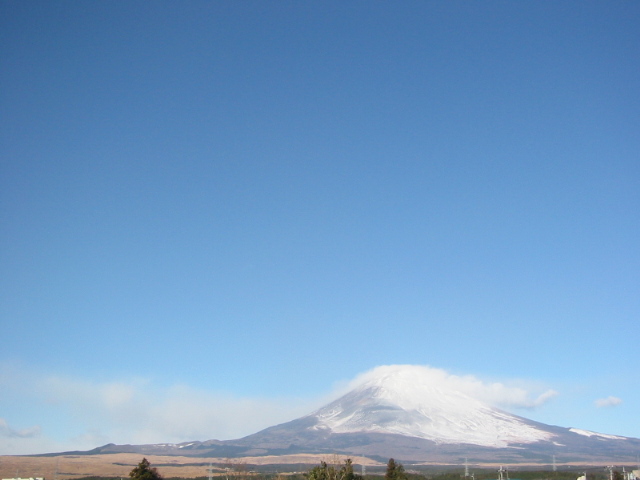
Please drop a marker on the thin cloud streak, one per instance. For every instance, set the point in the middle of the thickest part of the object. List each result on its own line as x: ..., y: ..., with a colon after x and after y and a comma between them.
x: 610, y: 401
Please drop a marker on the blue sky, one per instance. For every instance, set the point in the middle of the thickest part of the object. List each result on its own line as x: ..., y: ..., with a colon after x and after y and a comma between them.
x: 214, y: 215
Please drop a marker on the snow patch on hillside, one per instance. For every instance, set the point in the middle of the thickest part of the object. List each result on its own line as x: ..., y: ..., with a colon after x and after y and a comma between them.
x: 588, y: 433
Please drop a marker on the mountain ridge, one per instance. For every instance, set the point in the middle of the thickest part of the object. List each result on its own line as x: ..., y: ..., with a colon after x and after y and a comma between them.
x: 405, y: 412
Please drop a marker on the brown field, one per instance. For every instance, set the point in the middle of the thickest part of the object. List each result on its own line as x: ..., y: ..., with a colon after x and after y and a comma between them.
x: 120, y: 464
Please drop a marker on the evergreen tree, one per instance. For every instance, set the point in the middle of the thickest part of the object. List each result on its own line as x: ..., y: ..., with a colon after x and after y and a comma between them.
x: 395, y: 471
x: 144, y: 471
x: 324, y: 471
x: 320, y: 472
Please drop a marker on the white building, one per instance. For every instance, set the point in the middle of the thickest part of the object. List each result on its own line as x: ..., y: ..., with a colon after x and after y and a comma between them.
x: 30, y: 478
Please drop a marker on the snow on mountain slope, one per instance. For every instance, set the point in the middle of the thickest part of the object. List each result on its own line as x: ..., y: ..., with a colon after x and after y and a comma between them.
x: 588, y: 433
x: 404, y: 400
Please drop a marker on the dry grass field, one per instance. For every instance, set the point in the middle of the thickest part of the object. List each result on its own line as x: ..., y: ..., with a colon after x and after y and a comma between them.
x: 119, y: 465
x: 66, y: 467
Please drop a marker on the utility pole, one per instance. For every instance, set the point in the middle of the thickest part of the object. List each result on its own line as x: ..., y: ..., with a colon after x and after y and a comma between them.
x: 610, y: 468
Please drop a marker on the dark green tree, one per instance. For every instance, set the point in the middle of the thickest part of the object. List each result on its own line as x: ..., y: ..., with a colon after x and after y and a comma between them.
x: 324, y: 471
x: 320, y: 472
x: 395, y: 471
x: 144, y: 471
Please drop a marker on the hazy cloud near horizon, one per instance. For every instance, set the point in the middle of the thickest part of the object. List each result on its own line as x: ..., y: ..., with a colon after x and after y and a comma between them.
x: 7, y: 431
x: 133, y: 410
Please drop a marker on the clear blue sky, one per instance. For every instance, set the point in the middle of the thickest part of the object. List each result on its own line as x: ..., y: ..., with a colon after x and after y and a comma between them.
x: 213, y: 210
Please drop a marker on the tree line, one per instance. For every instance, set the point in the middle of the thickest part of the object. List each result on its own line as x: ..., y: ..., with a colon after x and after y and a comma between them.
x: 324, y: 471
x: 337, y: 470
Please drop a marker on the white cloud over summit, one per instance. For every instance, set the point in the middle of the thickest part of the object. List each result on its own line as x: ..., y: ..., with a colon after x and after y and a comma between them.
x: 514, y: 394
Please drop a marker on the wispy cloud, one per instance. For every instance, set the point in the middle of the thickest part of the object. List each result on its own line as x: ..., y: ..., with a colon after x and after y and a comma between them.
x: 610, y: 401
x: 8, y: 431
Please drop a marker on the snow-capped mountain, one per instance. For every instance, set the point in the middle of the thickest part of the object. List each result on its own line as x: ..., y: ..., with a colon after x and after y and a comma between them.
x: 398, y: 401
x: 406, y: 413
